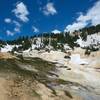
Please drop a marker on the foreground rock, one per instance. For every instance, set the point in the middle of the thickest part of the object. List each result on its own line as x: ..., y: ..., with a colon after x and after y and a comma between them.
x: 83, y: 71
x: 26, y: 79
x: 6, y: 56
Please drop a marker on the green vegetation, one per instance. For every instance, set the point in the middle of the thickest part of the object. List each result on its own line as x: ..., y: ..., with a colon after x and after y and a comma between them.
x: 55, y: 40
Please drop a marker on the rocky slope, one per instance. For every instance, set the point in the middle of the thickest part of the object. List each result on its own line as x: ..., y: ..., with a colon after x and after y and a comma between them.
x: 25, y: 79
x: 79, y: 72
x: 51, y: 74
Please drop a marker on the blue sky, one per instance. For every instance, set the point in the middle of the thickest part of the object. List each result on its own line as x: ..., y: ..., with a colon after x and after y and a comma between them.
x: 29, y: 17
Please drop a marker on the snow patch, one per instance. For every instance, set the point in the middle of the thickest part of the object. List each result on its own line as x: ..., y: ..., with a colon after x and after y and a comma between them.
x: 7, y: 48
x: 56, y: 31
x: 93, y: 39
x: 75, y: 58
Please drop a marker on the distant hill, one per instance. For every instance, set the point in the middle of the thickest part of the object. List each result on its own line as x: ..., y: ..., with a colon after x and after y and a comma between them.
x: 88, y: 37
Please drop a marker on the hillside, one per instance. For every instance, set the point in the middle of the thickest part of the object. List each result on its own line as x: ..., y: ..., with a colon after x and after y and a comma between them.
x: 87, y: 38
x: 64, y: 66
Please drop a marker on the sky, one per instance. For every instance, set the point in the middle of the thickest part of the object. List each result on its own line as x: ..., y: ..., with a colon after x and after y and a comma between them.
x: 29, y: 17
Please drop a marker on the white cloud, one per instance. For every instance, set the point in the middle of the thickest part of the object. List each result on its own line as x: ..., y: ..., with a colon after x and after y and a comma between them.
x: 75, y: 26
x: 49, y: 9
x: 17, y: 24
x: 7, y: 20
x: 91, y: 17
x: 9, y: 33
x: 16, y: 29
x: 36, y: 30
x: 56, y: 31
x: 21, y: 12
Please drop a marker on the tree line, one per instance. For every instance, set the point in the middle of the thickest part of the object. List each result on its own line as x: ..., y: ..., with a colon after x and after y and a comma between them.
x: 61, y: 38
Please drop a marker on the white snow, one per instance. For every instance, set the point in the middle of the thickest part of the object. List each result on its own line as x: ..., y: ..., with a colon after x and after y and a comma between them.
x: 56, y: 31
x: 27, y: 50
x: 80, y: 42
x: 33, y: 46
x: 93, y: 39
x: 75, y: 58
x: 67, y: 47
x: 7, y: 48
